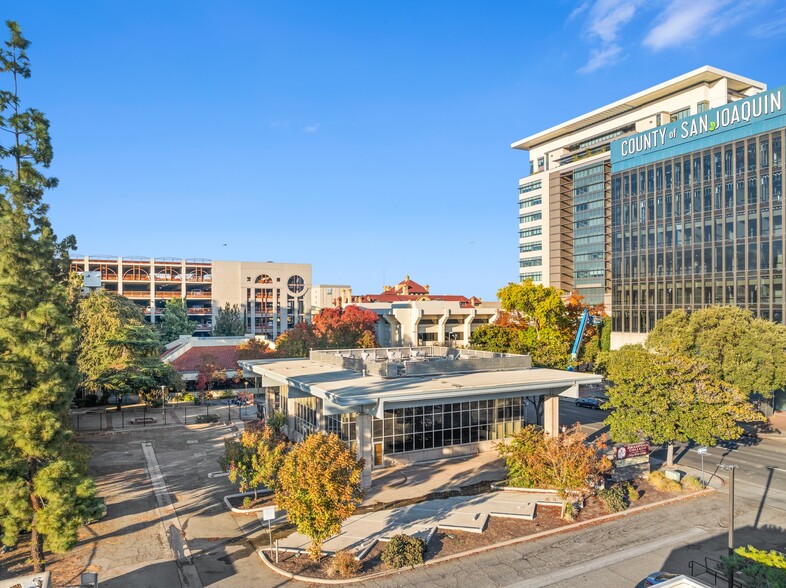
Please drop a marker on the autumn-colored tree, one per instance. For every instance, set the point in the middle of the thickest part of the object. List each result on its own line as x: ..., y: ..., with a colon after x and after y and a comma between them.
x: 367, y: 340
x: 332, y: 328
x: 209, y: 374
x: 254, y: 459
x: 540, y: 307
x: 253, y: 349
x: 667, y: 397
x: 319, y: 487
x: 297, y: 341
x: 342, y: 328
x: 564, y: 463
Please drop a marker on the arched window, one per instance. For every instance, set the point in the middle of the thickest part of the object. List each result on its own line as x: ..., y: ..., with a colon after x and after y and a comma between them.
x: 263, y: 279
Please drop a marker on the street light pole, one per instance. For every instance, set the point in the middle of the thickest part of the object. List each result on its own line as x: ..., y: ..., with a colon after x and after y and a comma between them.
x: 731, y: 511
x: 731, y: 468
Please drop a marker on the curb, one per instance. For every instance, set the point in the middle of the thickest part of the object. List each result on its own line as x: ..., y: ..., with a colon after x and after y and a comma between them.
x: 245, y: 511
x: 535, y: 536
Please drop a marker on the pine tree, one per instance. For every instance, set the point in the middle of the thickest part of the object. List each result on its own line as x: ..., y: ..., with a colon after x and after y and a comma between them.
x: 230, y: 321
x: 175, y: 321
x: 43, y: 484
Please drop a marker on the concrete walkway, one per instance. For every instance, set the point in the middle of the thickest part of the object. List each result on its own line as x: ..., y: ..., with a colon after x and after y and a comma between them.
x: 413, y: 481
x: 459, y: 513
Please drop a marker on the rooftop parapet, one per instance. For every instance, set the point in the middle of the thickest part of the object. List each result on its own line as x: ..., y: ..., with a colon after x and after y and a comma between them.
x: 398, y: 362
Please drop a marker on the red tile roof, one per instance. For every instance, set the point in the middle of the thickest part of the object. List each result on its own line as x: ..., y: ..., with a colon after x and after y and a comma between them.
x: 224, y: 357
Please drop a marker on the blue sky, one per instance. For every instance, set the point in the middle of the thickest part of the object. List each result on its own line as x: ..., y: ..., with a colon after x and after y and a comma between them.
x: 370, y: 139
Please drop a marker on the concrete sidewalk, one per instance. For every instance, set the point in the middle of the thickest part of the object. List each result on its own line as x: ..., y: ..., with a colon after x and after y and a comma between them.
x: 406, y: 482
x: 459, y: 513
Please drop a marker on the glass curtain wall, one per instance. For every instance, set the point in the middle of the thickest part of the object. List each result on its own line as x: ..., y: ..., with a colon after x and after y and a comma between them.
x: 442, y: 425
x: 697, y: 230
x: 589, y: 232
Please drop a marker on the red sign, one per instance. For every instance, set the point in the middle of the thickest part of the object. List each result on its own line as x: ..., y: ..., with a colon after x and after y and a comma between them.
x: 628, y: 451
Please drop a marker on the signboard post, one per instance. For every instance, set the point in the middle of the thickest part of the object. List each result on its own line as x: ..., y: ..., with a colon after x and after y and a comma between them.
x: 268, y: 514
x: 701, y: 451
x: 630, y: 461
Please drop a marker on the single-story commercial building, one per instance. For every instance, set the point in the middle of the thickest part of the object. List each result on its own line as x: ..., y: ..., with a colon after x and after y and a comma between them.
x: 409, y: 404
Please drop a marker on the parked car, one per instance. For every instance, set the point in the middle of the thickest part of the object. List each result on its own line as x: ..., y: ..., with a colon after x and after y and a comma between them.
x: 659, y: 577
x: 589, y: 403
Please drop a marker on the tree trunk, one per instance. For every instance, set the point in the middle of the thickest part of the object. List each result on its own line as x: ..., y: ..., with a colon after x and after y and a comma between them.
x: 36, y: 539
x: 670, y: 454
x: 538, y: 403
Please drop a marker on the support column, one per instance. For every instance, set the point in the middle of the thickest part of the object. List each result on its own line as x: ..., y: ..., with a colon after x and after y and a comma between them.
x: 252, y: 312
x: 393, y: 323
x: 468, y: 325
x: 365, y: 447
x: 441, y: 326
x: 551, y: 416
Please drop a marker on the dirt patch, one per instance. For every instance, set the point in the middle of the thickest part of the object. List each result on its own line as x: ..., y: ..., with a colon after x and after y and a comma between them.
x: 498, y: 530
x: 303, y: 565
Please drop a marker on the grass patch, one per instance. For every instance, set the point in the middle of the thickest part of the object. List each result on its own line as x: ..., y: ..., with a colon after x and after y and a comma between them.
x: 660, y: 482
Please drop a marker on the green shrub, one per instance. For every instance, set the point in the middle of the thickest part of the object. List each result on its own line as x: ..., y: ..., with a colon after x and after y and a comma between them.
x: 345, y: 564
x: 403, y: 550
x: 661, y: 482
x: 569, y: 512
x: 692, y: 483
x: 633, y: 494
x: 276, y: 420
x: 759, y: 567
x: 614, y: 498
x: 207, y: 418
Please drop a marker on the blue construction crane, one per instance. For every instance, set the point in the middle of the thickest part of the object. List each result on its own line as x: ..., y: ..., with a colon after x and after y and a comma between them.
x: 585, y: 317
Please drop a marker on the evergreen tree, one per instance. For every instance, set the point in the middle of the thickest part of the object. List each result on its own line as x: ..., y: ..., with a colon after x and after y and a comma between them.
x: 119, y: 350
x: 43, y: 484
x: 175, y: 321
x: 230, y: 321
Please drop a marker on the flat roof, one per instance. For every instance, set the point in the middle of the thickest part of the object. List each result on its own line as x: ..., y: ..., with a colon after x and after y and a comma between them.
x: 348, y: 388
x: 706, y: 74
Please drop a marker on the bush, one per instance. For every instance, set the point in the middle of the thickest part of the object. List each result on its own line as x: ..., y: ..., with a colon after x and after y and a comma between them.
x: 692, y: 483
x: 207, y: 418
x: 569, y: 511
x: 614, y: 498
x: 403, y: 550
x: 633, y: 494
x: 90, y: 399
x: 345, y: 564
x: 661, y: 482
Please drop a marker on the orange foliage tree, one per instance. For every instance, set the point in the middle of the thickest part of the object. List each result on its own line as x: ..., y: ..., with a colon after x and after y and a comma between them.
x: 332, y: 328
x: 252, y: 349
x: 564, y: 462
x: 319, y: 487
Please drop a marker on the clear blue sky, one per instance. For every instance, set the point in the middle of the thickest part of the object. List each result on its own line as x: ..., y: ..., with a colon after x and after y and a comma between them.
x: 370, y: 139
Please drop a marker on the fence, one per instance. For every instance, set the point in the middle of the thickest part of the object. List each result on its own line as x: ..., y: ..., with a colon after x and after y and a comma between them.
x: 138, y: 417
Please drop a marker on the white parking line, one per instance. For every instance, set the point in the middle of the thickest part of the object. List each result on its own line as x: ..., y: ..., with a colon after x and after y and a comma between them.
x: 170, y: 522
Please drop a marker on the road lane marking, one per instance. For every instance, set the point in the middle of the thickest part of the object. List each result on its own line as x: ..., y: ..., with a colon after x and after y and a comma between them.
x: 168, y: 516
x: 602, y: 562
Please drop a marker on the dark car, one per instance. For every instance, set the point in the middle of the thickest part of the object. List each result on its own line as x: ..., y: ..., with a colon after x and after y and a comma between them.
x: 658, y: 577
x: 589, y: 402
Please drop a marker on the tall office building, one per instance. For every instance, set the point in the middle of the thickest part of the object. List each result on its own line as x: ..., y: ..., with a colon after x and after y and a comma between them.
x: 565, y: 228
x: 697, y: 215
